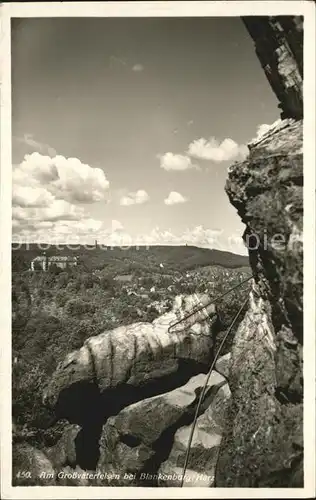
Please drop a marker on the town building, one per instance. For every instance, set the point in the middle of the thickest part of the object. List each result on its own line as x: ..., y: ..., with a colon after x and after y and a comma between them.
x: 44, y: 262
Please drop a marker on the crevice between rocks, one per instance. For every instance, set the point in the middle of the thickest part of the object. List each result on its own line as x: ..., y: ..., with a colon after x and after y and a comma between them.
x: 163, y: 445
x: 83, y: 404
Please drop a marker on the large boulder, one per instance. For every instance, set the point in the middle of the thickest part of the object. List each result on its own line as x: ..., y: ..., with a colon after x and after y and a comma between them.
x: 171, y: 476
x: 263, y: 440
x: 31, y: 467
x: 204, y: 448
x: 132, y: 356
x: 64, y: 452
x: 135, y: 442
x: 222, y: 365
x: 68, y: 476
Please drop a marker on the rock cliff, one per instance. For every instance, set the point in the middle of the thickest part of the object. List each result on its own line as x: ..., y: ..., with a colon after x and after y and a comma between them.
x: 263, y: 440
x: 279, y: 47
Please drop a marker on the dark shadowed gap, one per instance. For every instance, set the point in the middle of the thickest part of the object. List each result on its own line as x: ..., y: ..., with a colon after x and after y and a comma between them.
x: 83, y: 404
x: 162, y: 447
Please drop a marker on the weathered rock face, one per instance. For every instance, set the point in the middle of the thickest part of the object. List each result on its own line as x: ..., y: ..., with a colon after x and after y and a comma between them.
x: 117, y: 363
x: 204, y: 448
x: 279, y: 47
x: 263, y: 443
x: 68, y: 476
x: 222, y: 365
x: 135, y: 442
x: 64, y: 452
x: 267, y: 190
x: 31, y: 467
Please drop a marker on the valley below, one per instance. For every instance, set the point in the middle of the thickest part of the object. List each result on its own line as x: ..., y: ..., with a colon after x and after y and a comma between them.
x: 122, y: 418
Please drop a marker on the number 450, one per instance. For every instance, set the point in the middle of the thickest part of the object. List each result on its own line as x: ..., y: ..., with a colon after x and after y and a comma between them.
x: 24, y: 474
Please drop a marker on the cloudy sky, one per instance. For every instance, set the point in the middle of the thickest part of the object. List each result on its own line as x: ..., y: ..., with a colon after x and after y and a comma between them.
x: 123, y: 129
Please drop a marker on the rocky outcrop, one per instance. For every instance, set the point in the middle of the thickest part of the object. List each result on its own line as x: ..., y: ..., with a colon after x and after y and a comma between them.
x: 120, y: 367
x: 68, y: 476
x: 119, y: 362
x: 135, y: 442
x: 64, y: 452
x: 263, y: 441
x: 31, y: 467
x: 222, y: 365
x: 204, y: 448
x: 279, y: 47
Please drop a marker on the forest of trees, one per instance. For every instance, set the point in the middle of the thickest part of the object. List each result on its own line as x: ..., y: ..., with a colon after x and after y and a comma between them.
x: 54, y: 312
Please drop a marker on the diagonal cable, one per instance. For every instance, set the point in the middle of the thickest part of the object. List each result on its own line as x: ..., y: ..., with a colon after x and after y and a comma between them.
x: 204, y: 389
x: 217, y: 299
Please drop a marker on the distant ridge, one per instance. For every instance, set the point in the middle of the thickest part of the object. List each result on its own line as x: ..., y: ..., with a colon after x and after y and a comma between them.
x: 176, y: 258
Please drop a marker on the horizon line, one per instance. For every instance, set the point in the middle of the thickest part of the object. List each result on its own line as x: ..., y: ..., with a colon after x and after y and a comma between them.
x: 123, y: 247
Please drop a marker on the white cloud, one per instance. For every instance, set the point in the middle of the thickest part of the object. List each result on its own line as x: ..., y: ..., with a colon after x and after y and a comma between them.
x: 217, y: 151
x: 138, y: 68
x: 57, y: 231
x: 177, y: 162
x: 174, y: 198
x: 264, y: 128
x: 134, y: 198
x: 197, y: 236
x: 116, y: 225
x: 58, y: 209
x: 117, y: 60
x: 47, y: 197
x: 236, y: 244
x: 201, y: 236
x: 43, y: 224
x: 29, y: 196
x: 87, y: 230
x: 65, y: 178
x: 86, y: 225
